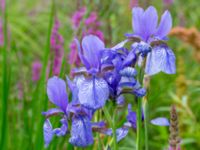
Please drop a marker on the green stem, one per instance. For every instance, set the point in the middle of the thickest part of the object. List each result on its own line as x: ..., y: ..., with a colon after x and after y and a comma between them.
x: 114, y: 132
x: 139, y: 125
x: 112, y: 124
x: 139, y: 113
x: 41, y: 85
x: 146, y: 122
x: 5, y: 86
x: 146, y: 82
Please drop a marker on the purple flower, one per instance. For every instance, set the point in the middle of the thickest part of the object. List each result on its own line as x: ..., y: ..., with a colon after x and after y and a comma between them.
x: 57, y: 94
x: 93, y: 91
x: 77, y: 17
x: 2, y: 5
x: 56, y: 91
x: 81, y: 132
x: 133, y: 3
x: 73, y: 55
x: 162, y: 59
x: 91, y: 19
x: 81, y: 127
x: 159, y: 57
x: 168, y: 2
x: 145, y: 24
x: 1, y: 33
x: 57, y: 48
x: 160, y: 121
x: 49, y: 132
x: 36, y: 70
x: 132, y: 117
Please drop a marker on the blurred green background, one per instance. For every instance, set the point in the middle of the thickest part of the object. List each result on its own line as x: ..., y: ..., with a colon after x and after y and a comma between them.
x: 23, y: 100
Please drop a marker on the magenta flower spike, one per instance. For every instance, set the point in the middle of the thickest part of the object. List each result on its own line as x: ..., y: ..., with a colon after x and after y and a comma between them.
x: 57, y: 48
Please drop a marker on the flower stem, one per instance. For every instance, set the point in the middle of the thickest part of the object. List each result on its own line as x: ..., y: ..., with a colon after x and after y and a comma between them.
x: 146, y: 82
x: 145, y: 103
x: 5, y: 84
x: 112, y: 124
x: 139, y: 113
x: 139, y: 125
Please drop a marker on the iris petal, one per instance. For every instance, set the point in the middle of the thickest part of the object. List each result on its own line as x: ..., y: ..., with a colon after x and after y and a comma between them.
x: 52, y: 111
x: 93, y: 93
x: 81, y: 132
x: 92, y: 45
x: 63, y: 129
x: 160, y: 121
x: 137, y: 23
x: 150, y: 20
x: 48, y: 132
x: 161, y: 58
x: 165, y: 25
x: 121, y: 133
x: 56, y: 91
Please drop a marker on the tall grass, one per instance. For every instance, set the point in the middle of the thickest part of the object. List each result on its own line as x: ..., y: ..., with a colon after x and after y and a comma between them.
x: 5, y: 85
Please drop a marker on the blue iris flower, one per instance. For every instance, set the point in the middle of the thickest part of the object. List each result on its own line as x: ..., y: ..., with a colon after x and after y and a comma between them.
x: 145, y: 27
x: 93, y: 90
x: 81, y: 132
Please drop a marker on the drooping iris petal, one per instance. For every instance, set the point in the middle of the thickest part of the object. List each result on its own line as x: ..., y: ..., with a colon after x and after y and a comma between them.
x: 51, y: 112
x: 150, y: 20
x: 98, y: 124
x: 120, y: 100
x: 137, y: 20
x: 132, y: 117
x: 56, y: 91
x: 48, y: 132
x: 161, y: 58
x: 121, y: 133
x: 140, y: 92
x: 165, y: 25
x: 160, y: 121
x: 81, y: 132
x: 91, y: 47
x: 93, y: 93
x: 63, y: 129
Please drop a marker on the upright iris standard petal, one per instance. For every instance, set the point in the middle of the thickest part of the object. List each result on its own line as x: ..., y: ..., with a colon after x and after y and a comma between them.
x: 91, y: 48
x: 137, y: 20
x: 83, y: 59
x: 56, y: 91
x: 48, y: 132
x: 81, y: 132
x: 93, y: 92
x: 165, y: 25
x: 161, y: 58
x: 150, y: 20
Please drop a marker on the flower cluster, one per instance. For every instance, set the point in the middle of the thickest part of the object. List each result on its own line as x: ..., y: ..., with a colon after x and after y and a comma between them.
x: 108, y: 74
x: 36, y: 70
x: 1, y: 33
